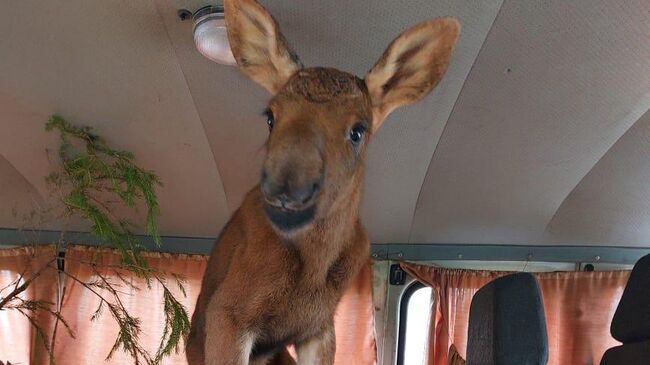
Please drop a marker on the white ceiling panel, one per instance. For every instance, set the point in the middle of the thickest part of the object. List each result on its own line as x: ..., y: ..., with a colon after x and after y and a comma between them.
x: 399, y: 155
x: 611, y: 205
x: 229, y: 106
x: 108, y: 64
x: 517, y: 145
x: 550, y: 93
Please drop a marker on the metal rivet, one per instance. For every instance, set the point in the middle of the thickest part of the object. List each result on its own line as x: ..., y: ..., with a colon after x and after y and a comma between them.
x: 460, y: 256
x: 375, y: 255
x: 400, y: 254
x: 597, y: 258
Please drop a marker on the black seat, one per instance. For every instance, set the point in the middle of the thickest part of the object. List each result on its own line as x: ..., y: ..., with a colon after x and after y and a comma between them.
x: 631, y: 323
x: 507, y: 324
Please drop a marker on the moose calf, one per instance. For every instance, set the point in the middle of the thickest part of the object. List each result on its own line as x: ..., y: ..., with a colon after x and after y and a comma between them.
x: 288, y: 253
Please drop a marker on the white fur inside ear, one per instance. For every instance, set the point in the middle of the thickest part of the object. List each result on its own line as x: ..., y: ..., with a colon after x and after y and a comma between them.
x: 257, y: 44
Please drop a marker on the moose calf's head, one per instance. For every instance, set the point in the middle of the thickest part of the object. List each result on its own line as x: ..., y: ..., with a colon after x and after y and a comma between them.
x: 321, y: 118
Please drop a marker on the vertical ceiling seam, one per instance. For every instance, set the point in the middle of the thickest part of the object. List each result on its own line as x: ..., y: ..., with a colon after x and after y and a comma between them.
x: 38, y: 193
x: 548, y: 223
x: 453, y: 109
x: 40, y: 190
x: 189, y: 91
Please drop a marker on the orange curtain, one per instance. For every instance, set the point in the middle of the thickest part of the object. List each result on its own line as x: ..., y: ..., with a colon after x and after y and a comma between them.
x: 19, y: 343
x: 94, y: 339
x: 354, y: 323
x: 579, y: 308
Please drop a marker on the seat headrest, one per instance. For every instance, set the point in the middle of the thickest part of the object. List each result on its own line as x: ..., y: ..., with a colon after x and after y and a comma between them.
x: 631, y: 321
x: 507, y: 325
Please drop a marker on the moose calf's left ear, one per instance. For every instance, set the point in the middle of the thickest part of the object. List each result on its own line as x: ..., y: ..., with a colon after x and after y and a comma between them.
x: 411, y: 66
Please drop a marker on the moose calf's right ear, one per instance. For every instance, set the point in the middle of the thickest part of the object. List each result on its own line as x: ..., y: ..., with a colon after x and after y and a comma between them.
x: 257, y: 44
x: 411, y: 66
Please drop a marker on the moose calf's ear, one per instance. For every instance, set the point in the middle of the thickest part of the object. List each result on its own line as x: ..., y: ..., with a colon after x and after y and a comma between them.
x: 411, y: 66
x: 257, y: 44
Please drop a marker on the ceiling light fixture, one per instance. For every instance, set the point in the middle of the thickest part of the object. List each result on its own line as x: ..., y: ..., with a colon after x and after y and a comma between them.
x: 210, y: 35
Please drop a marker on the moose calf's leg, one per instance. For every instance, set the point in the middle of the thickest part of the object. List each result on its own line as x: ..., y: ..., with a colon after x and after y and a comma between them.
x: 225, y: 344
x: 318, y: 350
x: 194, y: 347
x: 228, y: 349
x: 195, y: 340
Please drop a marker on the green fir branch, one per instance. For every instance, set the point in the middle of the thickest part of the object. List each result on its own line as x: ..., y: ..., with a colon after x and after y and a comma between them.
x: 91, y: 167
x: 93, y: 178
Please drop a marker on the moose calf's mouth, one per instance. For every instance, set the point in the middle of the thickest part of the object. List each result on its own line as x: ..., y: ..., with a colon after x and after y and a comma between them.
x: 288, y: 220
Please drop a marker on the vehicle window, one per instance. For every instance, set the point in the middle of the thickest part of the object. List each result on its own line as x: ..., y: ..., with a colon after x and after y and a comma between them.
x: 415, y: 311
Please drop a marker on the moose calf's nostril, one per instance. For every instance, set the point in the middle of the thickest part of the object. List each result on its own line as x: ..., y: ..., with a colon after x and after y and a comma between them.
x: 303, y: 195
x: 270, y: 189
x: 315, y: 188
x: 308, y: 193
x: 300, y: 196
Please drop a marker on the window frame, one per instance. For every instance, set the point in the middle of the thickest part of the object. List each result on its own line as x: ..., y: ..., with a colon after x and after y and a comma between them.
x: 407, y: 294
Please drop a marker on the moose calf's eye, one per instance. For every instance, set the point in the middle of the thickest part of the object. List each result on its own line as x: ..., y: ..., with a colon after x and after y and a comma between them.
x: 269, y: 118
x: 356, y: 133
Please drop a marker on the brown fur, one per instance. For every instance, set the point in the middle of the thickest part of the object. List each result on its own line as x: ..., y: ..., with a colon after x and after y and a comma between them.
x: 267, y: 286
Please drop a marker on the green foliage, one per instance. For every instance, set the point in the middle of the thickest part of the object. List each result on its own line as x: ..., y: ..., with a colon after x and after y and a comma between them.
x: 176, y: 319
x: 94, y: 177
x: 93, y: 174
x: 127, y: 337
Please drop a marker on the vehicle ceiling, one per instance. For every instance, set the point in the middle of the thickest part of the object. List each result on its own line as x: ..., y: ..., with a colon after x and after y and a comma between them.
x: 538, y: 134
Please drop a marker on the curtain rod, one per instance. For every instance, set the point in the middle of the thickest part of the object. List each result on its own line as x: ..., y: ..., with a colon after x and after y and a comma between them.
x: 392, y: 251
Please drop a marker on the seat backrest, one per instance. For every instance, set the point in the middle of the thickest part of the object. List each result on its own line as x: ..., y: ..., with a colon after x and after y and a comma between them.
x: 631, y: 323
x: 507, y: 324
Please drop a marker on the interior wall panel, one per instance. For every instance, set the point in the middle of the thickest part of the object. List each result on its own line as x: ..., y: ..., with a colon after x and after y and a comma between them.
x: 550, y: 93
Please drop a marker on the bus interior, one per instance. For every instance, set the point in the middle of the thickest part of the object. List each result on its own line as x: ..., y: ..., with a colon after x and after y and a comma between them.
x: 508, y: 212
